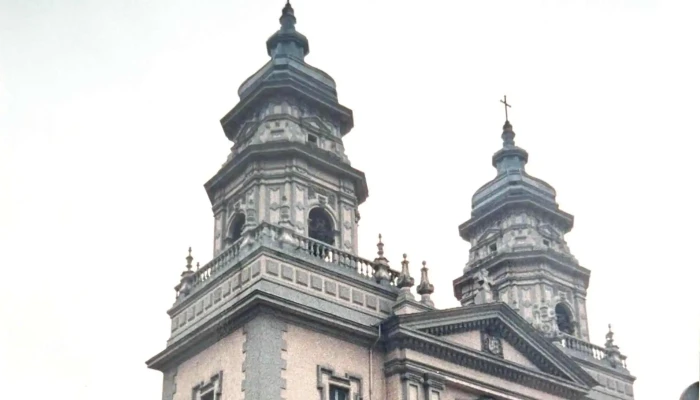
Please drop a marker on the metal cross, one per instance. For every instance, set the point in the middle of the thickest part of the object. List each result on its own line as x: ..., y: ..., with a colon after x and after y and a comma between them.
x: 506, y: 106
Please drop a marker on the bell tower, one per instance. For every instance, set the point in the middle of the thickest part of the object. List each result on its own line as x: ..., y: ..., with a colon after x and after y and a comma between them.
x: 287, y: 165
x: 518, y: 251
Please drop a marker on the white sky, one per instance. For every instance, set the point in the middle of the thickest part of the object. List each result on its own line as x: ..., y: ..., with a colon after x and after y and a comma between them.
x: 109, y: 126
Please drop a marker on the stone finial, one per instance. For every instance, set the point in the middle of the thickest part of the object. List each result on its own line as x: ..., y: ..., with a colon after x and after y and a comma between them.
x: 405, y: 280
x: 508, y: 135
x: 613, y: 354
x: 609, y: 340
x: 381, y: 265
x: 425, y: 288
x: 186, y: 278
x: 189, y: 259
x: 287, y: 42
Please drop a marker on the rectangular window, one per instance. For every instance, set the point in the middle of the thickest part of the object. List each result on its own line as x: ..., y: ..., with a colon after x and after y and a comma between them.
x: 434, y: 395
x: 412, y: 392
x: 338, y: 393
x: 208, y: 396
x: 312, y: 139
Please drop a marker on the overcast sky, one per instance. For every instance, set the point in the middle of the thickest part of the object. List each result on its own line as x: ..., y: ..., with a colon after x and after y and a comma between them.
x: 109, y: 127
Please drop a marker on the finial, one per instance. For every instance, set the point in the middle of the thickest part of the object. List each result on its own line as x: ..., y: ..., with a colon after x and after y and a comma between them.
x: 380, y: 247
x: 197, y: 265
x: 425, y: 289
x: 186, y: 278
x: 609, y: 337
x: 189, y: 259
x: 287, y: 20
x: 612, y: 350
x: 405, y: 281
x: 382, y: 272
x: 287, y: 42
x: 506, y: 106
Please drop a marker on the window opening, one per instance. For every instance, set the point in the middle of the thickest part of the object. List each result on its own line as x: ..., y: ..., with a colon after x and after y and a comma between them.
x: 564, y: 320
x: 338, y: 393
x: 237, y: 227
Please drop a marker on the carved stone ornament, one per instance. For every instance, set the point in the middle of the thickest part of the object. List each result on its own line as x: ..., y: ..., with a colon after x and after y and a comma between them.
x: 491, y: 344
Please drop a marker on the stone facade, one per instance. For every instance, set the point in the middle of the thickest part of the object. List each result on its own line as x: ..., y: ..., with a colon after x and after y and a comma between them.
x: 287, y: 309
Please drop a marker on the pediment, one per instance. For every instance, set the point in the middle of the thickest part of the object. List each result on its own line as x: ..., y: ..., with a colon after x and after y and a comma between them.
x: 478, y: 340
x: 499, y: 335
x: 490, y: 234
x: 315, y: 124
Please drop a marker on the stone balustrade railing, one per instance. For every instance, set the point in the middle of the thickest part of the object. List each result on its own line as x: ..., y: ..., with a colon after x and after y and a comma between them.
x: 302, y: 245
x: 588, y: 349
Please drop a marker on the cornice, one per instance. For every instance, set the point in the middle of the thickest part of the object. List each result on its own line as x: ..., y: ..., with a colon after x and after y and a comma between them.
x: 607, y: 369
x: 506, y: 259
x: 524, y: 337
x: 258, y: 298
x: 506, y: 204
x: 435, y: 347
x: 289, y: 85
x: 315, y: 156
x: 403, y: 365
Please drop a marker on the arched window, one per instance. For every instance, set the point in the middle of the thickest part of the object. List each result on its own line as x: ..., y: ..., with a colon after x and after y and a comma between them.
x: 321, y: 226
x: 236, y: 229
x: 564, y: 320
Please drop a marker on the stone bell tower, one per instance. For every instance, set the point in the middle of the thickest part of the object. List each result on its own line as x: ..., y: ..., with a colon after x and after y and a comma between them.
x: 518, y: 252
x: 287, y: 165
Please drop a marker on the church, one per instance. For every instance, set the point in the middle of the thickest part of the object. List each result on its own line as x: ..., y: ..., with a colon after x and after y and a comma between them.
x: 288, y: 309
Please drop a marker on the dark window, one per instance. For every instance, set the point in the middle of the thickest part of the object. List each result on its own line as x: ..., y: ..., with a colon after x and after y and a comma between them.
x: 312, y: 139
x: 321, y: 226
x: 564, y: 320
x: 546, y: 242
x: 338, y: 393
x: 237, y: 227
x: 208, y: 396
x: 493, y: 248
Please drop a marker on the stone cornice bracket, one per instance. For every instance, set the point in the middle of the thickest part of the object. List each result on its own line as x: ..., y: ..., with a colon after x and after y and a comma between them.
x: 186, y: 278
x: 405, y: 281
x: 613, y: 355
x: 425, y: 288
x: 381, y: 265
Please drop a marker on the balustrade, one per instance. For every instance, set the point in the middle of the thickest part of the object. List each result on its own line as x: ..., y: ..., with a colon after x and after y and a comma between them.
x: 588, y: 349
x: 304, y: 246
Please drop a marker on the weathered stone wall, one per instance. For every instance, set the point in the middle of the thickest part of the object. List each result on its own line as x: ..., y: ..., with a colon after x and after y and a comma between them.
x: 225, y: 356
x: 308, y: 350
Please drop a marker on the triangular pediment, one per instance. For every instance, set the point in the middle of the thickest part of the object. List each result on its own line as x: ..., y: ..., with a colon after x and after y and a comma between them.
x: 315, y: 124
x: 478, y: 340
x: 497, y: 333
x: 490, y: 234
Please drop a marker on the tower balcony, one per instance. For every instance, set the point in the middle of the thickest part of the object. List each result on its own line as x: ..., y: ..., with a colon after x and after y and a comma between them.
x: 605, y: 364
x: 298, y: 245
x: 279, y: 264
x: 582, y: 349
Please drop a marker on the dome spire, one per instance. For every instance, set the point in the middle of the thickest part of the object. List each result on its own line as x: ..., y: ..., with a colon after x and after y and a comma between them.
x: 287, y: 42
x: 509, y: 157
